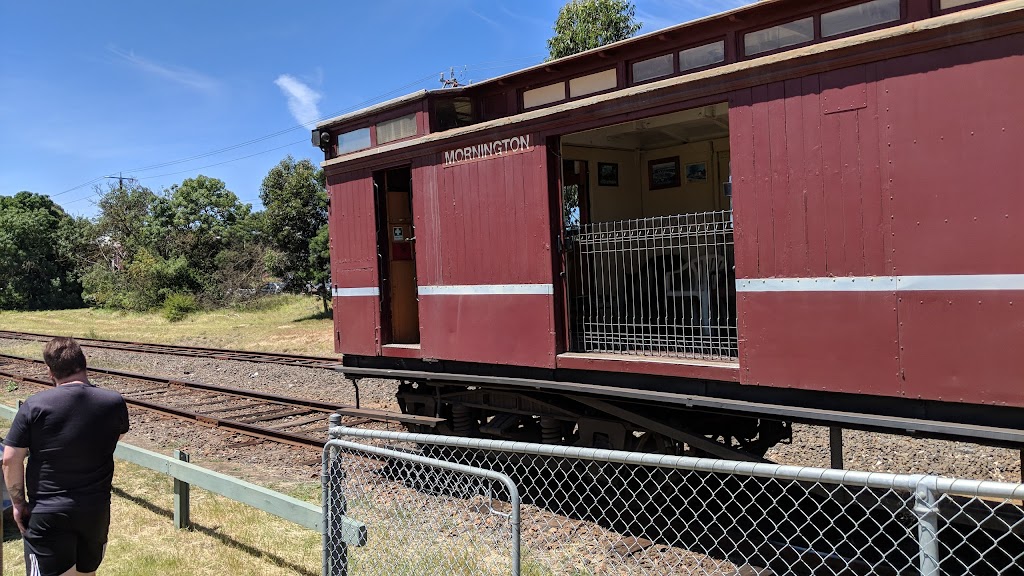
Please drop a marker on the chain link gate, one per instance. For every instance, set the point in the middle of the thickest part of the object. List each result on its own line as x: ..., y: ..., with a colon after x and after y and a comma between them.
x: 587, y: 511
x: 418, y: 515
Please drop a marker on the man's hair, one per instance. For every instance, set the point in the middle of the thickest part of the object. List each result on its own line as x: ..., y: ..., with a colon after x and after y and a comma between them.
x: 64, y: 357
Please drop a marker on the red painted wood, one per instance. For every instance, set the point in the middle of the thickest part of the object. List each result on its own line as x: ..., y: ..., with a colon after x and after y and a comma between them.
x: 874, y: 222
x: 357, y: 321
x: 832, y: 341
x: 512, y: 330
x: 852, y: 192
x: 427, y: 219
x: 762, y: 192
x: 354, y: 261
x: 495, y: 222
x: 796, y: 192
x: 741, y: 153
x: 678, y: 369
x: 963, y: 347
x: 956, y: 146
x: 779, y: 190
x: 832, y: 179
x: 813, y: 177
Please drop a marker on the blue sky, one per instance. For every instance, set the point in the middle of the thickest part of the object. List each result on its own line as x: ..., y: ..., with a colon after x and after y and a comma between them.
x: 91, y: 89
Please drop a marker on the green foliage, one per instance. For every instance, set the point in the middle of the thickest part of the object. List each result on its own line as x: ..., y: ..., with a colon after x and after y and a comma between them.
x: 195, y: 220
x: 177, y: 306
x: 39, y: 244
x: 586, y: 24
x: 294, y: 196
x: 320, y: 264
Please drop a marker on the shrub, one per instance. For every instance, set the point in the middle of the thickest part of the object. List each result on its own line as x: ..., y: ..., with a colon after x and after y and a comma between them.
x: 177, y: 306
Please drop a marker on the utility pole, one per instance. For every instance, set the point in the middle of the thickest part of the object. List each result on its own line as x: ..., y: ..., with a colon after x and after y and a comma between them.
x: 120, y: 179
x: 452, y: 81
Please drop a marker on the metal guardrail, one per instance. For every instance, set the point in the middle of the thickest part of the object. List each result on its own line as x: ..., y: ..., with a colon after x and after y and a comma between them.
x: 281, y: 505
x: 593, y: 511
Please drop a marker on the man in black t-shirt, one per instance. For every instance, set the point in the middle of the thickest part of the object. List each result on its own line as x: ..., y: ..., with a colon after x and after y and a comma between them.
x: 71, y: 432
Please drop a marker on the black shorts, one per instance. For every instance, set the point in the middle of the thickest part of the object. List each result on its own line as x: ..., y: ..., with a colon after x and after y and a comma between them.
x: 58, y: 541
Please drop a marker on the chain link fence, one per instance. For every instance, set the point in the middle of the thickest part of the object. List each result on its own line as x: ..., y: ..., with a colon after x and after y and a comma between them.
x: 427, y: 516
x: 586, y: 511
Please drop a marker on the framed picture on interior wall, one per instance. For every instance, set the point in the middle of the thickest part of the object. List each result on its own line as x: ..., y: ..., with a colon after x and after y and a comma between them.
x: 697, y: 172
x: 663, y: 173
x: 607, y: 174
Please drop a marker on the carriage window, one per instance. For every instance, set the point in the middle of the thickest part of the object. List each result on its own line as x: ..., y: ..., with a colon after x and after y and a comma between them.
x: 453, y: 113
x: 947, y: 4
x: 859, y: 16
x: 702, y: 56
x: 544, y: 95
x: 593, y: 83
x: 396, y: 129
x: 354, y: 140
x: 652, y: 68
x: 780, y: 36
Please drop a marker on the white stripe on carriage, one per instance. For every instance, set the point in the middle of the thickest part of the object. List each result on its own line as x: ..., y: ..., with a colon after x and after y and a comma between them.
x: 487, y: 289
x: 933, y: 283
x: 343, y: 292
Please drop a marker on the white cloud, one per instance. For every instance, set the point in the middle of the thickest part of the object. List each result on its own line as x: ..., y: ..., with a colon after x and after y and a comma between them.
x: 177, y: 74
x: 302, y: 99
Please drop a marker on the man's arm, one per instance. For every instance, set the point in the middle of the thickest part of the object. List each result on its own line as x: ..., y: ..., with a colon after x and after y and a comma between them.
x: 14, y: 477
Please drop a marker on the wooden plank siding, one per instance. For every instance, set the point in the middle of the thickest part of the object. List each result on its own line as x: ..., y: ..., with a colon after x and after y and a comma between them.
x: 902, y: 168
x: 956, y: 138
x: 807, y: 203
x: 485, y: 223
x: 353, y: 233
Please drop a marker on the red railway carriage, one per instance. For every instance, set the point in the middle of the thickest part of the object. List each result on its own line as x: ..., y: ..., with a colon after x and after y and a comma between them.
x: 794, y: 211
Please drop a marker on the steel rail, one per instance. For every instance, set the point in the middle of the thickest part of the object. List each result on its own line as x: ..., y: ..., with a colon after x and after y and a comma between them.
x: 317, y: 405
x: 269, y: 432
x: 182, y: 414
x: 306, y: 361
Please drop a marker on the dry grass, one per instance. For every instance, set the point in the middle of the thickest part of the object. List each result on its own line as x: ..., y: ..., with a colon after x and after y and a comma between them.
x: 285, y: 323
x: 230, y: 538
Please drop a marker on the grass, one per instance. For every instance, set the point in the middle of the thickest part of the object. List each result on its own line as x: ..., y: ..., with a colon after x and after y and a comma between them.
x: 229, y: 538
x: 283, y: 323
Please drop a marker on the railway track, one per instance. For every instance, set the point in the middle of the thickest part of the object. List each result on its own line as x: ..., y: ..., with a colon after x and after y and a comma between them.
x: 282, y: 419
x: 322, y: 362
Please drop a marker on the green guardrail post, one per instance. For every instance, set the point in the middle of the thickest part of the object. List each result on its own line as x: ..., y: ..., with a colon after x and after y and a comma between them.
x: 182, y: 519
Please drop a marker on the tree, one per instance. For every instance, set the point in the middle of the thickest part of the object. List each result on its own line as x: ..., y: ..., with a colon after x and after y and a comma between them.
x: 585, y: 24
x: 294, y: 197
x: 196, y: 220
x: 123, y: 213
x: 38, y: 241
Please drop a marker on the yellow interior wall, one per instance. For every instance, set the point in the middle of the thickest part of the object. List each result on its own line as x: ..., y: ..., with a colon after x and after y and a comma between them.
x: 633, y: 198
x: 609, y: 203
x: 689, y: 196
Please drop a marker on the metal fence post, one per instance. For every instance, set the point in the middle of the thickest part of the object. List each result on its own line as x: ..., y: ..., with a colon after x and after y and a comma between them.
x: 182, y: 519
x: 335, y: 559
x: 927, y: 510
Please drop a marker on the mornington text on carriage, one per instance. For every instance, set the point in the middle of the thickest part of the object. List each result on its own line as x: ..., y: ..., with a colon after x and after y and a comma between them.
x: 481, y: 151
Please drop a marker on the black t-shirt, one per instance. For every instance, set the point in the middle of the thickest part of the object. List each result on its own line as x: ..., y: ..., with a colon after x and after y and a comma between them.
x: 71, y: 432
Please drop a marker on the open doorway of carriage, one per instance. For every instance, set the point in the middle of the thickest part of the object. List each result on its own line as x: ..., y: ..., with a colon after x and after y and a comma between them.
x: 649, y: 263
x: 396, y: 251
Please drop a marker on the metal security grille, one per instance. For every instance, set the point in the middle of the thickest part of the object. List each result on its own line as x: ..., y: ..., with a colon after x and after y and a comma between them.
x: 586, y: 511
x: 662, y: 286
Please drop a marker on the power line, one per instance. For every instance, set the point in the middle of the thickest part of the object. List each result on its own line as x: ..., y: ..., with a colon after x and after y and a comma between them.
x: 480, y: 66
